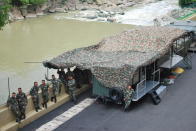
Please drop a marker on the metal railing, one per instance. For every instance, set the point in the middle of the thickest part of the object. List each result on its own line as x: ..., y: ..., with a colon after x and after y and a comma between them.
x: 156, y: 76
x: 140, y: 88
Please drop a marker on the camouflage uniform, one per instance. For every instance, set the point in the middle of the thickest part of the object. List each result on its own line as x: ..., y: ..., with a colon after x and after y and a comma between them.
x: 62, y: 77
x: 55, y: 88
x: 69, y: 73
x: 13, y: 103
x: 128, y: 94
x: 45, y: 94
x: 72, y: 87
x: 22, y: 102
x: 35, y: 97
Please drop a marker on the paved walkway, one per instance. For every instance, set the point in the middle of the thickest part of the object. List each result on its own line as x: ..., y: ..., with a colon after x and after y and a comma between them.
x: 176, y: 112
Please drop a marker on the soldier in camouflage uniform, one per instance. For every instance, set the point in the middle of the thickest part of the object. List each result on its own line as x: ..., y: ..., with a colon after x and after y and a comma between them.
x: 14, y: 106
x: 44, y: 88
x: 55, y: 87
x: 62, y: 77
x: 22, y: 101
x: 72, y: 88
x: 128, y: 94
x: 69, y: 73
x: 35, y: 96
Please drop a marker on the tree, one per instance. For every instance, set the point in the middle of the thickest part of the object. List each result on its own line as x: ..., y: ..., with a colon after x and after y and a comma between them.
x: 6, y: 4
x: 36, y: 2
x: 4, y: 9
x: 184, y: 3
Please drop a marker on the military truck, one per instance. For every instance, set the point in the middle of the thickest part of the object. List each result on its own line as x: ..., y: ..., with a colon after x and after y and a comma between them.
x: 136, y: 57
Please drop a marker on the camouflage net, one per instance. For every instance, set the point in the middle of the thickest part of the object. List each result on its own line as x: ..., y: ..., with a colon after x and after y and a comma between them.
x: 115, y: 59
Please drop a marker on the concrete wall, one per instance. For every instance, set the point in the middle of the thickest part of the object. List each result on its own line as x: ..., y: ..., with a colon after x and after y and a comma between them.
x: 7, y: 119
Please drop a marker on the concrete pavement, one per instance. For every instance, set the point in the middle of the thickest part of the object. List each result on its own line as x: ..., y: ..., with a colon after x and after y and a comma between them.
x: 176, y: 112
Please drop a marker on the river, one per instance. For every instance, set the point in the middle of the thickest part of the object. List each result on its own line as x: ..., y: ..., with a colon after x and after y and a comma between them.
x: 39, y: 39
x: 141, y: 14
x: 145, y: 14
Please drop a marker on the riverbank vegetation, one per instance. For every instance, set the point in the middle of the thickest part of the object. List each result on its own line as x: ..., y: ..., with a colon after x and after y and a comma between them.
x: 4, y: 9
x: 185, y: 3
x: 27, y: 2
x: 5, y: 5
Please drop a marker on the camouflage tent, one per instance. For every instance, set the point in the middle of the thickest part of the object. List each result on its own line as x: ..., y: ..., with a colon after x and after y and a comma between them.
x: 114, y: 60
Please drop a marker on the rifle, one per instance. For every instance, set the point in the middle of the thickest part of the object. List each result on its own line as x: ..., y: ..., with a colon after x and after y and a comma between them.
x: 47, y: 72
x: 32, y: 62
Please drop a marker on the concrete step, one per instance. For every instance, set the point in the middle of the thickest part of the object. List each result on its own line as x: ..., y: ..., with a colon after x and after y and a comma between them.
x: 11, y: 125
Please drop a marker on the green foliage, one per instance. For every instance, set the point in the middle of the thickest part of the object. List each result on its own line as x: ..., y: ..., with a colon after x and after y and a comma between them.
x: 36, y: 2
x: 181, y: 3
x: 24, y: 2
x: 64, y: 1
x: 4, y: 9
x: 184, y: 3
x: 27, y: 2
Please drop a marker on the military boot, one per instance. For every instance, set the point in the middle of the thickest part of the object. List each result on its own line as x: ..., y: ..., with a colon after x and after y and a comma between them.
x: 52, y: 98
x: 18, y: 120
x: 46, y: 106
x: 43, y: 105
x: 55, y: 100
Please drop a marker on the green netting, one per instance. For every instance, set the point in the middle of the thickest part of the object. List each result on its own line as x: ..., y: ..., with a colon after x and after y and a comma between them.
x: 115, y: 59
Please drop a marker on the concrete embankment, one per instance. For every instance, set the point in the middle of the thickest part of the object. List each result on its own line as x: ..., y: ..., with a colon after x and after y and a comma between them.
x: 8, y: 120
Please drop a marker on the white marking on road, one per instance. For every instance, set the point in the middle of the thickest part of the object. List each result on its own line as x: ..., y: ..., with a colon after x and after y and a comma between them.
x: 67, y: 115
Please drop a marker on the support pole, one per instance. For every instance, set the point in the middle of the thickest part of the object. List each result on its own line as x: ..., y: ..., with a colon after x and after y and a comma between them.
x: 8, y: 86
x: 47, y: 72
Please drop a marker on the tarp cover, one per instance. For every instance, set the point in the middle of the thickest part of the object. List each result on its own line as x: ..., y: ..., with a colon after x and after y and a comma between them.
x: 114, y: 60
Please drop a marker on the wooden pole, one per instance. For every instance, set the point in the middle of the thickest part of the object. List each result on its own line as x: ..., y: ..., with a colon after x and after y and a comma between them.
x: 8, y: 87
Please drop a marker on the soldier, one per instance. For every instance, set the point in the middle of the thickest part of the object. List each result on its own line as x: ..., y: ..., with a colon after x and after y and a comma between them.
x: 71, y: 88
x: 55, y: 87
x: 22, y: 101
x: 62, y: 77
x: 69, y: 73
x: 44, y: 88
x: 128, y: 94
x: 35, y: 96
x: 13, y: 104
x: 62, y: 74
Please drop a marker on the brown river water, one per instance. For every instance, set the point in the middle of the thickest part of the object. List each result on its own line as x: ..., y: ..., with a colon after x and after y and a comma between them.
x: 39, y: 39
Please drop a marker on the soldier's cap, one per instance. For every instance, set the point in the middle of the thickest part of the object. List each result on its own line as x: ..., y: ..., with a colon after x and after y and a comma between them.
x: 13, y: 93
x: 43, y: 80
x: 53, y: 75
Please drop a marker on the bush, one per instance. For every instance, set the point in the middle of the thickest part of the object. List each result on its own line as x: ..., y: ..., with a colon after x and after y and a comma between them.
x: 4, y: 9
x: 181, y: 3
x: 36, y: 2
x: 25, y: 2
x: 184, y: 3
